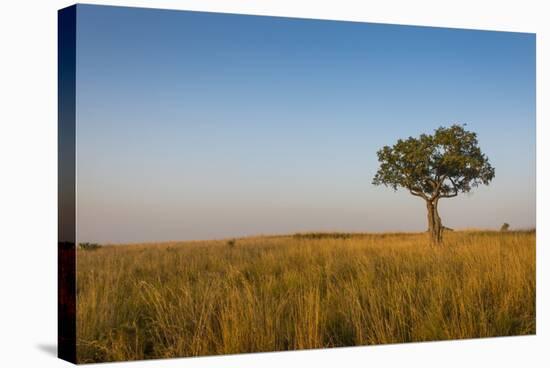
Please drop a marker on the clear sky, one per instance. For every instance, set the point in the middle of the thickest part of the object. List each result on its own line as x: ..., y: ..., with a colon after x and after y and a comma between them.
x: 201, y: 125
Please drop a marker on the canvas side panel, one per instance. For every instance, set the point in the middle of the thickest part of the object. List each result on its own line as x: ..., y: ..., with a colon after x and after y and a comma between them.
x: 66, y: 268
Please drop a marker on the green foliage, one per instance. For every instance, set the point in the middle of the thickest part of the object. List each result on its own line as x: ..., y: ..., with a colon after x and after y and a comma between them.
x: 435, y: 166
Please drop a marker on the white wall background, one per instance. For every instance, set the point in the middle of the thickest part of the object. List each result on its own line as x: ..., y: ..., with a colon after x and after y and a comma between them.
x: 28, y: 181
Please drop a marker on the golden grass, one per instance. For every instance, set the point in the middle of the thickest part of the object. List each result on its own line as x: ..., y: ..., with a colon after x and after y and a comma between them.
x: 296, y: 292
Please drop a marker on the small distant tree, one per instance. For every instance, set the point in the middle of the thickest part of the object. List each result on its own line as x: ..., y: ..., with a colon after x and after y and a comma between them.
x: 505, y: 227
x: 433, y: 167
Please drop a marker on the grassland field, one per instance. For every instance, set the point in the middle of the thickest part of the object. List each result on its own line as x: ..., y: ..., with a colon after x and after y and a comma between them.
x: 304, y: 291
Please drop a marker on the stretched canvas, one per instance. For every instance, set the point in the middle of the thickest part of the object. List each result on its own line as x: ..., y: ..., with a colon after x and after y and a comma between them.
x: 238, y: 184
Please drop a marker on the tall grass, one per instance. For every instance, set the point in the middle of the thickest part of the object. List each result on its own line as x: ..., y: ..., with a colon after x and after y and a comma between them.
x: 301, y: 292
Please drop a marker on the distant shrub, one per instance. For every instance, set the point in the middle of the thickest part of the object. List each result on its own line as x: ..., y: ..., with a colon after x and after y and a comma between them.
x: 324, y: 235
x: 231, y: 243
x: 505, y: 227
x: 89, y: 246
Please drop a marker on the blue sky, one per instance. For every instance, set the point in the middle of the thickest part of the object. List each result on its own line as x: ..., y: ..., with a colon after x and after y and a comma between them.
x: 200, y: 125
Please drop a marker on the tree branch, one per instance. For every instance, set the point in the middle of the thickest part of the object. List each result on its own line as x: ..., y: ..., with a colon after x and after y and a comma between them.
x: 449, y: 195
x: 418, y: 194
x: 440, y: 181
x: 453, y: 194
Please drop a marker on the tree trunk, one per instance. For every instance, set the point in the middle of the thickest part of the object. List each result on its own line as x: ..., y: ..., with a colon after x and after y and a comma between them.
x: 434, y: 223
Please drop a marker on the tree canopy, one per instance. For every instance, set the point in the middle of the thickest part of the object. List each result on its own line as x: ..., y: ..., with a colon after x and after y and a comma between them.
x: 435, y: 166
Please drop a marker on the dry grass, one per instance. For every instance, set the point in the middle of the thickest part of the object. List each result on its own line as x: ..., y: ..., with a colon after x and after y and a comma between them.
x: 301, y: 292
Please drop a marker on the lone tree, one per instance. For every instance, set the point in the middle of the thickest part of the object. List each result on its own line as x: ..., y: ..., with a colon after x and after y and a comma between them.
x: 433, y: 167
